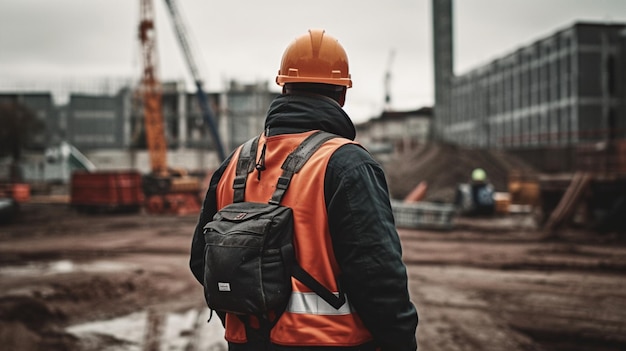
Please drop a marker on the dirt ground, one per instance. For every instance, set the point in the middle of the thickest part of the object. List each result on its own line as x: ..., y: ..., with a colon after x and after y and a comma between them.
x: 488, y: 284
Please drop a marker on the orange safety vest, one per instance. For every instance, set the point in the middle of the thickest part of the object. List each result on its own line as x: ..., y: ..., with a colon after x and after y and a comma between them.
x: 308, y: 320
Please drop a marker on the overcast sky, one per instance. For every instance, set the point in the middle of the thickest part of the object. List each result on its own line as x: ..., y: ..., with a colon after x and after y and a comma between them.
x: 64, y: 40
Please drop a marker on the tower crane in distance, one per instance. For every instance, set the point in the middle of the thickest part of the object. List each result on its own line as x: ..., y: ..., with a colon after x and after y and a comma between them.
x: 151, y: 91
x: 166, y: 190
x: 185, y: 44
x: 392, y: 54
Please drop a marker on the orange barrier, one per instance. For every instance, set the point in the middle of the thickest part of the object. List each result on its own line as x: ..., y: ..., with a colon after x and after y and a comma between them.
x: 21, y: 192
x: 418, y: 193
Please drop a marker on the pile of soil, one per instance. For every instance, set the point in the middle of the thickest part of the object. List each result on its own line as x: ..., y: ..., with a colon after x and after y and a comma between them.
x: 27, y: 323
x: 444, y: 166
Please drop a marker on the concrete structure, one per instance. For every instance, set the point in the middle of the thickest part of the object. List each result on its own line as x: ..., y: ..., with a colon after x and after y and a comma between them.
x: 108, y: 128
x: 443, y: 50
x: 246, y: 107
x: 562, y: 90
x: 396, y: 131
x: 549, y: 102
x: 95, y: 122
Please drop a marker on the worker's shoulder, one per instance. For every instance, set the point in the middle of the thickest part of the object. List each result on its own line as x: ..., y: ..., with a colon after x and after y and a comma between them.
x: 350, y: 155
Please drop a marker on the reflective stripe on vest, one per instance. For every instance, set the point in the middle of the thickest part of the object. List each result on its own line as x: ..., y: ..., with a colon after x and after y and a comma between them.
x: 311, y: 303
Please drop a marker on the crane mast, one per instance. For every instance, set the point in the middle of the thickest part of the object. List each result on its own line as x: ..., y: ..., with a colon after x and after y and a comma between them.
x: 183, y: 39
x: 151, y: 90
x: 392, y: 54
x: 166, y: 190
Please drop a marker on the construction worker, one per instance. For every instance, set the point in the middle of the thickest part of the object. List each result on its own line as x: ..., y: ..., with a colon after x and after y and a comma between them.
x: 482, y: 193
x: 344, y: 229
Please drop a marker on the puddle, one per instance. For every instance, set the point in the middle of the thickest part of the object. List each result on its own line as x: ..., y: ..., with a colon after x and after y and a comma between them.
x: 129, y: 331
x: 126, y: 333
x: 62, y: 267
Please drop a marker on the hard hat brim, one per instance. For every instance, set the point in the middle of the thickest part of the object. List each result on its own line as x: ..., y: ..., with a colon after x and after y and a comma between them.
x: 282, y: 80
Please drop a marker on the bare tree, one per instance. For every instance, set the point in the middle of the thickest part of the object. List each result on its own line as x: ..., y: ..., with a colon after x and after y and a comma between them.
x: 18, y: 126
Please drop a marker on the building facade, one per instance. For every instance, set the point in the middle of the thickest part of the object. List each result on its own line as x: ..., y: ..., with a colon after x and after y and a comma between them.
x: 396, y: 132
x: 563, y: 90
x: 109, y: 128
x: 246, y: 108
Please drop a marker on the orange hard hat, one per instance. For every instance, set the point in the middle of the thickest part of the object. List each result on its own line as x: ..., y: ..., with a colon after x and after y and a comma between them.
x: 315, y: 57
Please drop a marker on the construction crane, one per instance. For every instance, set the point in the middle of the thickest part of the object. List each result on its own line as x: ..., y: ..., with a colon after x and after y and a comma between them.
x: 166, y: 190
x: 392, y: 54
x: 151, y: 91
x: 183, y: 39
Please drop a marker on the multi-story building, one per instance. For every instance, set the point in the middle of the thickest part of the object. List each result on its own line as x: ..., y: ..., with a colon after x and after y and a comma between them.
x: 246, y: 107
x: 561, y: 90
x: 396, y: 131
x: 109, y: 128
x: 92, y: 122
x: 561, y: 93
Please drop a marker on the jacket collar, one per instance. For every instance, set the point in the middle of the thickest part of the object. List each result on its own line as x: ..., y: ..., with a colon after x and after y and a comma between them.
x: 297, y: 113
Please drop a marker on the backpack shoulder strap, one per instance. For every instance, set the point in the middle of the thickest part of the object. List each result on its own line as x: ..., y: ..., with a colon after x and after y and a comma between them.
x: 292, y: 165
x: 245, y: 165
x: 296, y: 160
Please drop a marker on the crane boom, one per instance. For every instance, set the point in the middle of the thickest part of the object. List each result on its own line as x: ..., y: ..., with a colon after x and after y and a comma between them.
x: 207, y: 113
x: 181, y: 33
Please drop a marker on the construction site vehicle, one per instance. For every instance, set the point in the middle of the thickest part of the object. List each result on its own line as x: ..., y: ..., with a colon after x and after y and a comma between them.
x: 106, y: 191
x: 163, y: 190
x: 166, y: 190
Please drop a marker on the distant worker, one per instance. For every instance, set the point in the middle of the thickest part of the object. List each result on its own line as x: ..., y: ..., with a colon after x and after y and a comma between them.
x: 482, y: 193
x: 477, y: 196
x: 344, y: 232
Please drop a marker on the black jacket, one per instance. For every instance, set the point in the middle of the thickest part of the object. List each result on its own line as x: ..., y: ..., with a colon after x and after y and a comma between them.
x: 365, y: 241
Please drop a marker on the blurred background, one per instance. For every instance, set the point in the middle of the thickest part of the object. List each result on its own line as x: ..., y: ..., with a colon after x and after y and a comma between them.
x: 501, y: 126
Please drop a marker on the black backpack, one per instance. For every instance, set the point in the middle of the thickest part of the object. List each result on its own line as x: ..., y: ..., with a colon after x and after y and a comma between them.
x: 249, y: 255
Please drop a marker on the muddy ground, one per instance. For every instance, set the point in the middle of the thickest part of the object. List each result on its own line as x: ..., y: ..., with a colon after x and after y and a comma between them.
x: 71, y: 281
